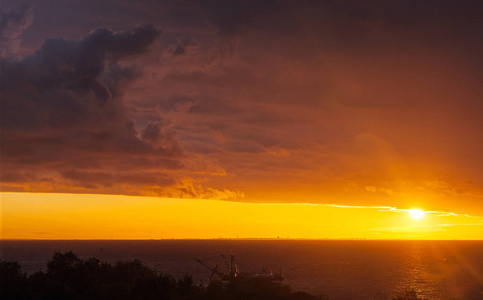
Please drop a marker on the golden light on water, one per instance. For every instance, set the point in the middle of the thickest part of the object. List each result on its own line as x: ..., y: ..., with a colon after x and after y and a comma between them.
x: 416, y: 214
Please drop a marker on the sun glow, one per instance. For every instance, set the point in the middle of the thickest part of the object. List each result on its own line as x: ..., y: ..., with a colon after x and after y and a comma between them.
x: 86, y: 216
x: 416, y: 214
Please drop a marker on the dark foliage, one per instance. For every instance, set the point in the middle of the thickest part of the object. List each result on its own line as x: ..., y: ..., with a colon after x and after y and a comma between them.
x: 12, y: 281
x: 69, y: 277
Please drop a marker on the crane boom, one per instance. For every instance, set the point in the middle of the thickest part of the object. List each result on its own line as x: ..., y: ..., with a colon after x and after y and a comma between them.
x: 213, y: 270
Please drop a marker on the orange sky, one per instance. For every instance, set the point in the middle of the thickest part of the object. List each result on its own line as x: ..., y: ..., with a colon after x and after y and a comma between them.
x: 246, y: 111
x: 74, y: 216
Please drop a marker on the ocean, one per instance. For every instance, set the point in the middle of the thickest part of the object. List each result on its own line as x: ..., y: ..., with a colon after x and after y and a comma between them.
x: 338, y: 269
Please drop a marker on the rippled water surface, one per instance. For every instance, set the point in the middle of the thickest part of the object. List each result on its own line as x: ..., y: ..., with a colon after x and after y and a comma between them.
x: 337, y: 269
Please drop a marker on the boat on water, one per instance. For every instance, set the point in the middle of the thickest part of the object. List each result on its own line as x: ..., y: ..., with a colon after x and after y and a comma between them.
x: 233, y: 273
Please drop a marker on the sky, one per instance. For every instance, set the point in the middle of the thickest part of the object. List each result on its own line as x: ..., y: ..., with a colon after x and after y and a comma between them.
x: 304, y: 119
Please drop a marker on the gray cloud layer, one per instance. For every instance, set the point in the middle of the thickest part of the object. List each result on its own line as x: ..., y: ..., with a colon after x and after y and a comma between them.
x: 276, y: 99
x: 64, y: 122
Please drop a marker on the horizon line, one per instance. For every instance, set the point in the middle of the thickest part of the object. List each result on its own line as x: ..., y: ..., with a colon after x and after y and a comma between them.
x: 232, y: 239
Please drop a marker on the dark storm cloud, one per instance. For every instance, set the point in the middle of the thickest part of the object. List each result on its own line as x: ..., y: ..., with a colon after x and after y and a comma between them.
x: 182, y: 45
x: 100, y: 179
x: 77, y: 65
x: 230, y: 16
x: 62, y: 107
x: 313, y: 96
x: 12, y: 24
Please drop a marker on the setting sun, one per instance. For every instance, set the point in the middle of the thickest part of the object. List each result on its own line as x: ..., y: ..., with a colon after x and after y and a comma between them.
x: 416, y: 214
x: 336, y: 144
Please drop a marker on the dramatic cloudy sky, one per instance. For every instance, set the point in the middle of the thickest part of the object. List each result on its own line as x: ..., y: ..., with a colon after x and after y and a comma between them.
x: 342, y: 102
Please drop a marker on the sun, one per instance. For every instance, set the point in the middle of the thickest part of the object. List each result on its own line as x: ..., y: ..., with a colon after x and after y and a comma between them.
x: 416, y: 214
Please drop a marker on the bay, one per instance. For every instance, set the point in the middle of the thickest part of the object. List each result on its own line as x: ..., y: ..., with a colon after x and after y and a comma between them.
x: 338, y: 269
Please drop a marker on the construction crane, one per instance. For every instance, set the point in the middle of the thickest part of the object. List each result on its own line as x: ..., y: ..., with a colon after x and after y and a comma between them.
x: 233, y: 272
x: 214, y: 270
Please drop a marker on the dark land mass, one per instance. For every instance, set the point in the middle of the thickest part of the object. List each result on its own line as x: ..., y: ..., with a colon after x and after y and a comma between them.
x: 71, y: 278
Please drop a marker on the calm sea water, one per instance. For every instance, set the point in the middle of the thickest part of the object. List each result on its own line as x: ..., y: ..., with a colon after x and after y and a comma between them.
x: 337, y: 269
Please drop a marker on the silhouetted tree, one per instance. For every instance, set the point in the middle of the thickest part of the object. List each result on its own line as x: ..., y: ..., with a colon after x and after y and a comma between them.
x: 12, y: 281
x: 71, y: 278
